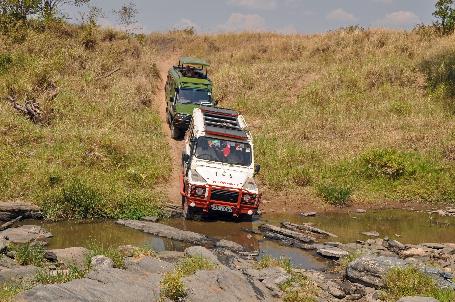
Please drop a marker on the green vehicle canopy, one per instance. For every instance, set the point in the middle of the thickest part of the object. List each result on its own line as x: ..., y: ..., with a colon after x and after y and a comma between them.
x: 190, y: 61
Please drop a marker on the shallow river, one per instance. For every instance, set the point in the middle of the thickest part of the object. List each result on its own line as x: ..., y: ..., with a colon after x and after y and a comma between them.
x: 405, y: 226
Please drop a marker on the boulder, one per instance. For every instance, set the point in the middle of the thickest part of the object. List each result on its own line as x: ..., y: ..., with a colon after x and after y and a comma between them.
x: 25, y: 234
x: 434, y: 246
x: 170, y: 256
x: 151, y: 218
x: 371, y: 270
x: 200, y: 251
x: 393, y: 245
x: 283, y: 234
x: 12, y: 210
x: 104, y: 285
x: 230, y: 245
x: 17, y: 273
x: 371, y: 234
x: 221, y: 285
x: 162, y: 230
x: 415, y: 252
x: 417, y: 299
x: 308, y: 214
x: 101, y: 262
x: 148, y: 264
x: 332, y: 252
x: 76, y: 256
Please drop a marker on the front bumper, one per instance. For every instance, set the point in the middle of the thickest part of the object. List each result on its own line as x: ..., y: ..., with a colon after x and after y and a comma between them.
x: 205, y: 203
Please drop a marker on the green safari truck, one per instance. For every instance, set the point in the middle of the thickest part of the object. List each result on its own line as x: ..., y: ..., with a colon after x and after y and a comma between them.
x: 187, y: 87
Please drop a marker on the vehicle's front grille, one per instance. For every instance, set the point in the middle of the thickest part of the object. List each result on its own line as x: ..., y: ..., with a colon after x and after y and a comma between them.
x: 224, y: 195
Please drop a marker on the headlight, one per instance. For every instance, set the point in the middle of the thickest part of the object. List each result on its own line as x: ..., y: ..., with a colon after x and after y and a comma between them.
x: 196, y: 177
x: 250, y: 185
x: 198, y: 191
x: 249, y: 198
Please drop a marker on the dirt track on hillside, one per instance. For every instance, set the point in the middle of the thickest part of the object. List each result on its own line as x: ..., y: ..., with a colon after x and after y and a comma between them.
x: 176, y: 147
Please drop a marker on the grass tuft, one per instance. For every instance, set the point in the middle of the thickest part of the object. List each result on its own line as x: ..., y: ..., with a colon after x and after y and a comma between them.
x: 111, y: 252
x: 172, y: 286
x: 27, y: 254
x: 49, y: 277
x: 410, y: 281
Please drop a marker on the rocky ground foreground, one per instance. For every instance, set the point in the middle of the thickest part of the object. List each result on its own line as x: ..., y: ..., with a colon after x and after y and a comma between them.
x: 214, y: 270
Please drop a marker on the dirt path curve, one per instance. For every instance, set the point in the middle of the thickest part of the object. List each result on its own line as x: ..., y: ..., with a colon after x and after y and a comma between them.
x: 176, y: 147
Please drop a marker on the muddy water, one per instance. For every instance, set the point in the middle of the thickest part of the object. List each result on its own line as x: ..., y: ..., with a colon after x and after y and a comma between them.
x: 405, y: 226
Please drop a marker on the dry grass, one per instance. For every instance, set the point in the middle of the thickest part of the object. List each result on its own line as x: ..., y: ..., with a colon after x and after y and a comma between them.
x: 100, y: 143
x: 368, y: 110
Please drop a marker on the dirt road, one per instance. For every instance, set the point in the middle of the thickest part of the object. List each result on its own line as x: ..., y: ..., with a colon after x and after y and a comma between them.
x: 175, y: 147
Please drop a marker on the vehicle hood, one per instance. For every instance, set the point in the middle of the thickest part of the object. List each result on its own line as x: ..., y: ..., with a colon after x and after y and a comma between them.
x: 224, y: 175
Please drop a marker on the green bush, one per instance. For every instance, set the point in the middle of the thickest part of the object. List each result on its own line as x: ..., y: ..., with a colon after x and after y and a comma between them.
x: 76, y: 200
x: 410, y: 281
x: 6, y: 60
x: 28, y: 254
x: 385, y: 163
x: 335, y: 194
x: 440, y: 71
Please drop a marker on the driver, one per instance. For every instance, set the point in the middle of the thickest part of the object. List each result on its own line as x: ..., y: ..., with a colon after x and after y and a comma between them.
x: 206, y: 150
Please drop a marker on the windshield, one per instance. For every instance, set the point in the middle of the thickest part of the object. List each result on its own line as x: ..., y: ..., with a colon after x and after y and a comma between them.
x: 223, y: 151
x: 193, y: 96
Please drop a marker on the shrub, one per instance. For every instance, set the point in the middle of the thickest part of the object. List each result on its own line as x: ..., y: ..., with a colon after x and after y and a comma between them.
x: 76, y: 200
x: 410, y: 281
x: 136, y: 207
x: 9, y: 291
x: 440, y: 71
x: 385, y: 163
x: 6, y: 60
x: 335, y: 194
x: 28, y: 254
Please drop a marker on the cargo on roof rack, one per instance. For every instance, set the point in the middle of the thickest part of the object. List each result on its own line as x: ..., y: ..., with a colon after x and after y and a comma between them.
x: 223, y: 122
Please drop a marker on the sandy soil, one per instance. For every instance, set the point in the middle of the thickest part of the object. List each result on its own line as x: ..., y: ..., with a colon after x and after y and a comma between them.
x: 175, y: 147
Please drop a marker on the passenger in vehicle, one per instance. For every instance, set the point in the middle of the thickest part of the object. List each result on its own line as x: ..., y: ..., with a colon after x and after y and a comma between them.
x: 206, y: 150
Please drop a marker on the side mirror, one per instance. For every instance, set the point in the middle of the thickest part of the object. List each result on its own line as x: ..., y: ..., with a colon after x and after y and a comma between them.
x: 185, y: 158
x: 257, y: 169
x: 192, y: 140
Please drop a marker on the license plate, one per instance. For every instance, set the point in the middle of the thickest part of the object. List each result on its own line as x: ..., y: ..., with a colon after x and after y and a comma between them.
x: 221, y: 208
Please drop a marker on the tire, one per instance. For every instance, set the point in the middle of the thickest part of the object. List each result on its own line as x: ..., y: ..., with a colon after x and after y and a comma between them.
x: 188, y: 212
x: 176, y: 133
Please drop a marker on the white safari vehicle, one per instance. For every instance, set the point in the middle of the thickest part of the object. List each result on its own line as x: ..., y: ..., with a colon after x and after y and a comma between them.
x: 218, y: 165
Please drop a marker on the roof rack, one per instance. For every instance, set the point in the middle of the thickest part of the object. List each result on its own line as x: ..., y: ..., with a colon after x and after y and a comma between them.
x: 223, y: 122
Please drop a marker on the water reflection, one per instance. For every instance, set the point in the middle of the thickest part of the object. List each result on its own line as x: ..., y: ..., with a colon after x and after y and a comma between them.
x: 406, y: 226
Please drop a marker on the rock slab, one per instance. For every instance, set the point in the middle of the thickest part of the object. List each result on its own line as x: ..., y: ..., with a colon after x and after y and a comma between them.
x: 162, y: 230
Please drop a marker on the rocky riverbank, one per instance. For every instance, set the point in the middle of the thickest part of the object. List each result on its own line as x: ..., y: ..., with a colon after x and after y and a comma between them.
x: 220, y: 270
x: 376, y: 269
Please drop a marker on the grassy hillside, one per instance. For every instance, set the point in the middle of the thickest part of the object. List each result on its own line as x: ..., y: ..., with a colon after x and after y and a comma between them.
x: 97, y: 149
x: 354, y: 115
x: 351, y: 115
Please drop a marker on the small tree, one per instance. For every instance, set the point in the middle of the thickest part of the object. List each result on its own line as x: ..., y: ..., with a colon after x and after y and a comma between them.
x: 127, y: 15
x: 445, y: 13
x: 19, y: 9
